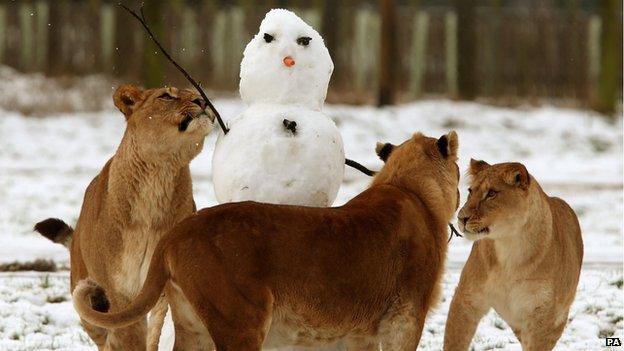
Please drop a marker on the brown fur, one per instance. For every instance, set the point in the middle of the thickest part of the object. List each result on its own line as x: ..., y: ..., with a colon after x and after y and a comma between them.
x: 141, y: 192
x: 525, y: 262
x: 274, y: 275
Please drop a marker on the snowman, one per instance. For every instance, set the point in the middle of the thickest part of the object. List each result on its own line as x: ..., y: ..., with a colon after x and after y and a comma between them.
x: 282, y: 148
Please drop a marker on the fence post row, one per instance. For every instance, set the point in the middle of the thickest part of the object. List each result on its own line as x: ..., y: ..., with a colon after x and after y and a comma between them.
x: 524, y: 53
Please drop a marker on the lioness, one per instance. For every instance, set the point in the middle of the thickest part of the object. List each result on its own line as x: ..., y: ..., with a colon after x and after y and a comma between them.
x: 525, y: 262
x: 141, y: 192
x: 276, y: 275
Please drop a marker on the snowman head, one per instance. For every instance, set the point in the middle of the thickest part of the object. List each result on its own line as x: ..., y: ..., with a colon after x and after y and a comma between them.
x: 285, y: 63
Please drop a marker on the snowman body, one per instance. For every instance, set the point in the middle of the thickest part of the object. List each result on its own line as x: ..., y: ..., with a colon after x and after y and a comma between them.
x: 263, y: 161
x: 282, y: 149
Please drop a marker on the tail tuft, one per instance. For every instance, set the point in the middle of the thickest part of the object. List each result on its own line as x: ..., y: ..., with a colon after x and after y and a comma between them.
x: 95, y: 294
x: 99, y: 301
x: 55, y: 230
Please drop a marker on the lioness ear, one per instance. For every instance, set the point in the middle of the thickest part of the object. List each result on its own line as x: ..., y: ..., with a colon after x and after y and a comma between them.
x: 518, y: 176
x: 126, y: 97
x: 448, y: 145
x: 477, y: 166
x: 384, y: 150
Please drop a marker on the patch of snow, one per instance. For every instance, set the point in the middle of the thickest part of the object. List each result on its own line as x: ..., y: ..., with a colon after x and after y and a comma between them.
x: 46, y: 164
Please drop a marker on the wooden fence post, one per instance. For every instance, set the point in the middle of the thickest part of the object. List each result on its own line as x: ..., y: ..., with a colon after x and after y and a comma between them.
x: 419, y: 48
x: 389, y: 60
x: 107, y: 36
x: 466, y: 46
x: 593, y: 54
x: 610, y: 56
x: 218, y: 44
x: 189, y: 43
x: 365, y: 51
x: 41, y: 38
x: 237, y: 41
x: 311, y: 17
x: 26, y: 28
x: 153, y: 61
x: 450, y: 23
x: 56, y: 17
x: 3, y: 28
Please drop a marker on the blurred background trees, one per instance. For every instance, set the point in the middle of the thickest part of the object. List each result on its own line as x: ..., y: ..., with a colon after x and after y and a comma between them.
x: 385, y: 51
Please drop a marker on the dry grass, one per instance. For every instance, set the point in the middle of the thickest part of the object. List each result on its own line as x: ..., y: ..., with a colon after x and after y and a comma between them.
x: 39, y: 265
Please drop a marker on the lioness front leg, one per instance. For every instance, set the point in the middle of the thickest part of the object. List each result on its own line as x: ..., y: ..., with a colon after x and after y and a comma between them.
x: 541, y: 333
x: 465, y: 312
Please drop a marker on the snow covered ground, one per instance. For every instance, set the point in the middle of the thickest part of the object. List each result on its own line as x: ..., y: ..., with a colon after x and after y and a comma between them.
x: 46, y: 163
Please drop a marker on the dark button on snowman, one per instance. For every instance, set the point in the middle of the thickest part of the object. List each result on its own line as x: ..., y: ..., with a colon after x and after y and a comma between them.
x: 282, y: 148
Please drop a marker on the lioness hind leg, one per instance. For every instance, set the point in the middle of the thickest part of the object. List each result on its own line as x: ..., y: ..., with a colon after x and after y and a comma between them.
x: 403, y: 328
x: 190, y: 332
x: 155, y: 323
x: 362, y: 345
x: 131, y: 338
x: 97, y: 334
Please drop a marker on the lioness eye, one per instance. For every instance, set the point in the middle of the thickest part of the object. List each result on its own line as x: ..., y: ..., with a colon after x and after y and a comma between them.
x: 268, y: 37
x: 304, y: 41
x: 165, y: 96
x: 492, y: 193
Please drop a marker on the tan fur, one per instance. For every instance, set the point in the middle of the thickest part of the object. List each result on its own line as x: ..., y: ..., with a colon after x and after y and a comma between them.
x: 525, y: 262
x: 365, y: 273
x: 143, y: 190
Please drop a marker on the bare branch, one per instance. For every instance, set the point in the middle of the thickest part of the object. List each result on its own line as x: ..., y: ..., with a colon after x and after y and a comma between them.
x: 186, y: 75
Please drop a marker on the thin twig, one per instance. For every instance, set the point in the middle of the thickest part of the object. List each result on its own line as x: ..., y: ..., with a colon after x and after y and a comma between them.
x: 453, y: 232
x: 359, y: 167
x: 186, y: 75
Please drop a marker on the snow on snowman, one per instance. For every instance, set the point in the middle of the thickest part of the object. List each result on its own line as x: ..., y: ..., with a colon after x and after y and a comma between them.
x: 282, y: 148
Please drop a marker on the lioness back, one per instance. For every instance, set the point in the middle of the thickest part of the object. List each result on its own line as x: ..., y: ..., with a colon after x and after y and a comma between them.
x: 302, y: 257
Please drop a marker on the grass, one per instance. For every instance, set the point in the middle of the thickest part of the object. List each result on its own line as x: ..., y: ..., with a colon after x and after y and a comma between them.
x: 39, y: 265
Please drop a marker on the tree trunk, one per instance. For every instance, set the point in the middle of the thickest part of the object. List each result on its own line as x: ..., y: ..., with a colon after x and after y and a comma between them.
x: 389, y: 58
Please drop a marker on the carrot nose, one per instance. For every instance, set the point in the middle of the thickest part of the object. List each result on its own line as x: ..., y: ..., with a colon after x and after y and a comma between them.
x: 289, y: 61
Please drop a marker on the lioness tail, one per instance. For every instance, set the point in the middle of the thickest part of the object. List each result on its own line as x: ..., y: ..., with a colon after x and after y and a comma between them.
x: 92, y: 304
x: 56, y: 231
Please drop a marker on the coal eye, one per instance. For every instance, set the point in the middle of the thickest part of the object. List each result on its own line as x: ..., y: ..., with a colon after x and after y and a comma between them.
x: 268, y: 37
x: 304, y: 41
x: 165, y: 96
x: 492, y: 193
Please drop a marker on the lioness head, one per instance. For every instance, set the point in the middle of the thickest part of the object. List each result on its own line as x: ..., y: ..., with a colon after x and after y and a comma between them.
x: 425, y: 162
x: 498, y: 199
x: 164, y: 121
